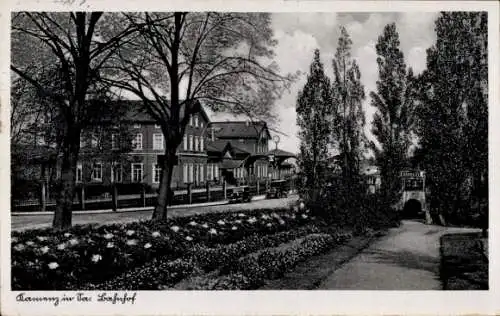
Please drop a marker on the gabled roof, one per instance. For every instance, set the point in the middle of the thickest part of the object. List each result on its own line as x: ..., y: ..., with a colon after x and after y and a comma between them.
x: 136, y: 112
x: 239, y: 129
x: 280, y: 153
x: 217, y: 146
x: 221, y: 146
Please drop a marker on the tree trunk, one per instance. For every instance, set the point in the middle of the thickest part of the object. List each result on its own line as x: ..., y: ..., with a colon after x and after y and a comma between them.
x: 114, y: 197
x: 43, y: 193
x: 64, y: 202
x: 164, y: 195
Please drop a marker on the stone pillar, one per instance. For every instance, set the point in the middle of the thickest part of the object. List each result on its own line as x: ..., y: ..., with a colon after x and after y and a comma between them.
x: 143, y: 195
x: 82, y: 198
x: 207, y: 185
x: 43, y: 198
x: 224, y: 189
x: 190, y: 193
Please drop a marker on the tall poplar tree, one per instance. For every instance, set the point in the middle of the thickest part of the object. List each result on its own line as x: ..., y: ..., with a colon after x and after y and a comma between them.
x: 348, y: 95
x: 453, y: 118
x: 393, y: 100
x: 314, y: 112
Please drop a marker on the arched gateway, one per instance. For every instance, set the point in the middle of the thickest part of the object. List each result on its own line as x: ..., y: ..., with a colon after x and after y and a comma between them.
x: 413, y: 198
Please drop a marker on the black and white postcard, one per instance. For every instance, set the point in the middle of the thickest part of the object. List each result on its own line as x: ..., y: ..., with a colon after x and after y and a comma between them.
x: 249, y: 157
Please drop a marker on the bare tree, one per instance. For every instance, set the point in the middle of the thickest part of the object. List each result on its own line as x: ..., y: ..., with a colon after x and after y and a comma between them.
x: 79, y: 44
x: 221, y: 59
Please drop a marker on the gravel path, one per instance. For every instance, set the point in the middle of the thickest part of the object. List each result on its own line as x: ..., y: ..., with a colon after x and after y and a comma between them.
x: 407, y: 258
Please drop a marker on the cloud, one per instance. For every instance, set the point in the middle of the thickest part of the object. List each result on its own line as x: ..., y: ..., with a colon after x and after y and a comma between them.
x: 298, y: 34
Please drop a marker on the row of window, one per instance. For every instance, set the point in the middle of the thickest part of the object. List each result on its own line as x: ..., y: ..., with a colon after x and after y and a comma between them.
x: 191, y: 172
x: 262, y: 171
x: 193, y: 143
x: 194, y: 121
x: 194, y: 173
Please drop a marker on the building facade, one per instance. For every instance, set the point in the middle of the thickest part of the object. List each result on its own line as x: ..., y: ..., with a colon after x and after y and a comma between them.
x: 235, y: 152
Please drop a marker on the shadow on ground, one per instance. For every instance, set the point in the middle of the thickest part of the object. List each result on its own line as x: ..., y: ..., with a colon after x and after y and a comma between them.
x: 406, y: 259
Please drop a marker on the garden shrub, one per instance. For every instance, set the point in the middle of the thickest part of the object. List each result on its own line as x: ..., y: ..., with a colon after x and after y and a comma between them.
x: 252, y: 270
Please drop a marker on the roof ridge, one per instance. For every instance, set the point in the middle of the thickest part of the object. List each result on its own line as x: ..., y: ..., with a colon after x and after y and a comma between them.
x: 232, y: 122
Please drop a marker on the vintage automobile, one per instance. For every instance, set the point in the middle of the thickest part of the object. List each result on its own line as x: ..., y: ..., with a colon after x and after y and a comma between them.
x: 277, y: 190
x: 240, y: 195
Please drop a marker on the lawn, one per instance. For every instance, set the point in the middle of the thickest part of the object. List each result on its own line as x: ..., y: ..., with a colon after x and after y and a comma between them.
x: 464, y: 262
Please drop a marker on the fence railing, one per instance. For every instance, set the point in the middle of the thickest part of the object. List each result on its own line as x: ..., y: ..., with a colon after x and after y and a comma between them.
x: 180, y: 197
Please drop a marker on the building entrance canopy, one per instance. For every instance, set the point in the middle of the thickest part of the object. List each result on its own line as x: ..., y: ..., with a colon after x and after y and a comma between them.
x: 277, y: 155
x: 231, y: 164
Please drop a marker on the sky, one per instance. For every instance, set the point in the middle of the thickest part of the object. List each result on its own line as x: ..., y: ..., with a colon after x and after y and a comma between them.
x: 299, y: 34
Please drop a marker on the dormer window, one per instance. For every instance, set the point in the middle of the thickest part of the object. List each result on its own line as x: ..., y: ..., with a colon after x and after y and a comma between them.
x: 196, y: 121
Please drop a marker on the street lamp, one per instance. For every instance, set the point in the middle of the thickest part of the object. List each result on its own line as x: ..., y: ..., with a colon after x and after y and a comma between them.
x: 276, y: 140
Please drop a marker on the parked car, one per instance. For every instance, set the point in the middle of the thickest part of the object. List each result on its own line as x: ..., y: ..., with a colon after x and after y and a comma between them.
x: 240, y: 195
x: 277, y: 190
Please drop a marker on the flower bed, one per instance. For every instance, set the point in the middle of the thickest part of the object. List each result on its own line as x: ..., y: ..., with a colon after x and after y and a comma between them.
x: 46, y: 259
x: 252, y: 270
x: 161, y: 273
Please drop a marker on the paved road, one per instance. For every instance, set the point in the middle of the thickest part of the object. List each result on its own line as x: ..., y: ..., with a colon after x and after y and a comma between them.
x: 405, y: 259
x: 24, y: 222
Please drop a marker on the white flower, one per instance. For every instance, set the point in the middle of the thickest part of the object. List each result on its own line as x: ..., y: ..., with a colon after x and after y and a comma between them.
x: 175, y: 228
x: 96, y: 258
x: 295, y: 208
x: 234, y: 228
x: 30, y: 243
x: 264, y: 216
x: 156, y: 234
x: 269, y: 225
x: 44, y: 249
x: 204, y: 225
x: 293, y: 216
x: 14, y: 240
x: 40, y: 238
x: 108, y: 236
x: 252, y: 220
x: 53, y: 265
x: 282, y: 222
x: 130, y: 232
x: 67, y: 235
x: 73, y: 241
x: 307, y: 211
x: 302, y: 205
x: 238, y: 221
x: 220, y: 222
x: 110, y: 245
x: 131, y: 242
x: 241, y: 215
x: 61, y: 246
x: 304, y: 216
x: 147, y: 246
x: 189, y: 238
x: 193, y: 223
x: 213, y: 231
